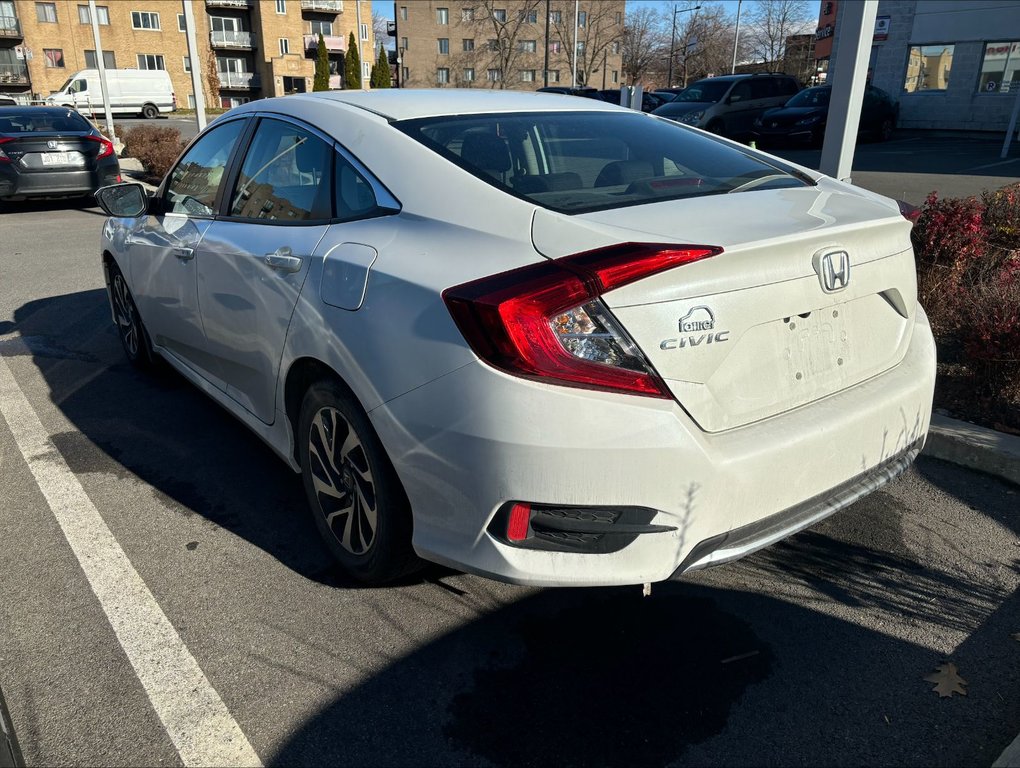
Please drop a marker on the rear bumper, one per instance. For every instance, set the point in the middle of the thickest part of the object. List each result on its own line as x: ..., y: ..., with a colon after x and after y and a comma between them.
x: 57, y: 182
x: 469, y: 443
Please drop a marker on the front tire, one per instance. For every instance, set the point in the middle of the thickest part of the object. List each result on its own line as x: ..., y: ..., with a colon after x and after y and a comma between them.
x: 356, y: 499
x: 133, y: 336
x: 150, y: 111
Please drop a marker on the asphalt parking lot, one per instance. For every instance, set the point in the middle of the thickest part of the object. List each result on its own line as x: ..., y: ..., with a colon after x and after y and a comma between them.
x: 811, y: 653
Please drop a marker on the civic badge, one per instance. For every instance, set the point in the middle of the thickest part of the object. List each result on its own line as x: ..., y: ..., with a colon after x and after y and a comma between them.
x: 51, y: 144
x: 833, y: 269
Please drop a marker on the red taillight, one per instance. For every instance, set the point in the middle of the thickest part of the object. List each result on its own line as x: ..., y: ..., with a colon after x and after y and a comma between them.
x: 518, y: 522
x: 3, y: 155
x: 532, y: 322
x: 910, y: 212
x: 105, y: 148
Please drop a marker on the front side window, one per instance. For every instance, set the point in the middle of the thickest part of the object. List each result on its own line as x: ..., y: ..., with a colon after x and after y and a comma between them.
x: 144, y: 20
x: 284, y: 176
x: 196, y: 178
x: 928, y: 68
x: 596, y: 160
x: 151, y: 61
x: 46, y: 12
x: 1000, y: 68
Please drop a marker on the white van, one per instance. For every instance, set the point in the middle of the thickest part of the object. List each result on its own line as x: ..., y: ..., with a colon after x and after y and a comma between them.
x: 145, y: 92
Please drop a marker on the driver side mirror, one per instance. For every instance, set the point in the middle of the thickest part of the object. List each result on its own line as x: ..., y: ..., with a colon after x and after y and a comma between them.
x: 123, y: 200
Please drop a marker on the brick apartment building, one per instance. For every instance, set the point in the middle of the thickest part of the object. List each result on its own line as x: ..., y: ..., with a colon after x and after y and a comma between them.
x: 503, y: 43
x: 258, y: 47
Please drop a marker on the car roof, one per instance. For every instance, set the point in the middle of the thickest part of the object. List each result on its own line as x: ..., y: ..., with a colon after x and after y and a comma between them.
x: 408, y: 104
x: 36, y: 110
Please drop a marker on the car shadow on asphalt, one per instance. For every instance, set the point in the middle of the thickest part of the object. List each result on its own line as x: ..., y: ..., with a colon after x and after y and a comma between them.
x: 84, y: 204
x: 723, y: 669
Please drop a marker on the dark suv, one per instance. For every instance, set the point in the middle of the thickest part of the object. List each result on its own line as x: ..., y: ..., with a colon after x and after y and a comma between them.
x: 728, y: 105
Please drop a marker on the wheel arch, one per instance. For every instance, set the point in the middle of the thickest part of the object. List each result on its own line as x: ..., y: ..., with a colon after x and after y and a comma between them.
x: 304, y: 372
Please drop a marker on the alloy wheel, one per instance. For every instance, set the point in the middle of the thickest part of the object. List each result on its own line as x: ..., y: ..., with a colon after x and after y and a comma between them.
x: 126, y: 316
x: 342, y: 480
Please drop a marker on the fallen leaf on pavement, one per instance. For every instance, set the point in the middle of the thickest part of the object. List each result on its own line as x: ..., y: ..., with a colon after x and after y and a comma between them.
x: 1016, y: 636
x: 947, y: 680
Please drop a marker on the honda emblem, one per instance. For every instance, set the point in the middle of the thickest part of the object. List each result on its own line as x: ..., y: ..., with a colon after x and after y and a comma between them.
x: 833, y: 268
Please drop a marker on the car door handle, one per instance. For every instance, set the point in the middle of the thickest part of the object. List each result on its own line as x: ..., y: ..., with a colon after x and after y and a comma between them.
x: 184, y: 254
x: 282, y: 259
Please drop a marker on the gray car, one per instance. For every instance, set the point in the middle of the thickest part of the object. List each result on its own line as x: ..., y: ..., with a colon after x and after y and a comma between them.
x: 729, y: 105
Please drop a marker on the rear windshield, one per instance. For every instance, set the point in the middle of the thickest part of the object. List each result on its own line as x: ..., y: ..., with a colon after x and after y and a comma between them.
x: 577, y: 162
x: 36, y: 120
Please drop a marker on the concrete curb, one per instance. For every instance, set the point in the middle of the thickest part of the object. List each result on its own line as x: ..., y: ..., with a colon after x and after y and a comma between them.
x: 968, y: 445
x: 131, y: 169
x: 1010, y: 757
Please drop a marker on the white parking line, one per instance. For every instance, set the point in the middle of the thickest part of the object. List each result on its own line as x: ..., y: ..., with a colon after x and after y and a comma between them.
x: 195, y: 717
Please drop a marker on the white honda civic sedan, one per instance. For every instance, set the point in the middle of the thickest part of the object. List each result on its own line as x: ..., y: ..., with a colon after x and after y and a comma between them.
x: 539, y: 338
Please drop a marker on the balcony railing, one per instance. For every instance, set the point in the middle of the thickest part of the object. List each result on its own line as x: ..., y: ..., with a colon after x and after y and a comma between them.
x: 10, y: 27
x: 326, y: 6
x: 231, y: 39
x: 240, y: 80
x: 228, y: 3
x: 13, y: 74
x: 334, y: 43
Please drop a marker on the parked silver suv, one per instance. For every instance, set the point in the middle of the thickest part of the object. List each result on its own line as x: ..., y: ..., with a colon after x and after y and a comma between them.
x: 729, y: 104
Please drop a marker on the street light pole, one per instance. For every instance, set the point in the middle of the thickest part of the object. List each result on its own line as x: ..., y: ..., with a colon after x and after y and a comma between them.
x: 672, y: 42
x: 736, y: 38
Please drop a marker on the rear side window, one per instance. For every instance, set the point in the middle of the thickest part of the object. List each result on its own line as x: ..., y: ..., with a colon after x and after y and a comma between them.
x: 788, y: 87
x: 285, y: 175
x: 763, y: 88
x: 355, y: 198
x: 196, y: 179
x: 576, y: 162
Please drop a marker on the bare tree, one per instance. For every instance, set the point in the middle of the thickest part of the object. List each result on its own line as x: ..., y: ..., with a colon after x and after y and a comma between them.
x: 771, y: 22
x: 645, y: 41
x: 505, y: 47
x: 380, y: 28
x: 594, y: 39
x: 707, y: 42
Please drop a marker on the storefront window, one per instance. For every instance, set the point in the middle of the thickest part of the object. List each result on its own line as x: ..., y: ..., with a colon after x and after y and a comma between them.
x: 1000, y: 68
x: 928, y: 68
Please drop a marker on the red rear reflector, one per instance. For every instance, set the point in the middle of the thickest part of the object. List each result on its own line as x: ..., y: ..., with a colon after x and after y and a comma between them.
x: 520, y: 519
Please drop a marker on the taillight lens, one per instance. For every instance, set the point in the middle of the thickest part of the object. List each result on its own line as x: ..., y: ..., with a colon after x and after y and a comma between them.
x: 546, y: 322
x: 910, y: 212
x: 3, y: 155
x: 105, y: 148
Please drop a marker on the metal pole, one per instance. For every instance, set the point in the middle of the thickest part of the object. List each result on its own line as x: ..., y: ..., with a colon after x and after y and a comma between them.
x: 736, y: 39
x: 101, y: 65
x: 361, y: 55
x: 672, y: 42
x: 196, y: 64
x: 1012, y: 126
x: 573, y: 59
x: 546, y: 70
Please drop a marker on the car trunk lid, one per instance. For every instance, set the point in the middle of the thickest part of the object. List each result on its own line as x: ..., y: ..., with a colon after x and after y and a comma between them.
x: 755, y: 331
x: 52, y: 151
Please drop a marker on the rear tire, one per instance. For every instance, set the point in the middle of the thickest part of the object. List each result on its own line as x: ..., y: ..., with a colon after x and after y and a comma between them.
x: 356, y: 498
x: 133, y: 336
x: 150, y: 111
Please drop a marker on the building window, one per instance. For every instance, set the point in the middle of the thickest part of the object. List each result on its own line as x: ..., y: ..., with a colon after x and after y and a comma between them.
x: 403, y: 13
x: 46, y: 12
x: 528, y: 46
x: 284, y: 46
x: 580, y: 47
x: 469, y: 75
x: 364, y: 31
x: 182, y: 25
x: 555, y: 17
x: 928, y: 68
x: 443, y: 75
x: 469, y: 45
x: 187, y: 63
x: 403, y: 43
x: 493, y: 44
x: 616, y: 76
x: 553, y: 75
x: 527, y: 75
x: 366, y: 70
x: 492, y: 76
x: 442, y: 15
x: 151, y: 61
x: 555, y: 47
x: 467, y: 14
x: 582, y: 18
x: 324, y: 28
x: 499, y: 14
x: 109, y: 60
x: 102, y: 14
x: 191, y: 101
x: 281, y: 7
x: 54, y: 57
x: 616, y: 47
x: 404, y: 73
x: 1000, y: 68
x: 529, y: 17
x: 444, y: 45
x: 619, y: 17
x: 144, y: 20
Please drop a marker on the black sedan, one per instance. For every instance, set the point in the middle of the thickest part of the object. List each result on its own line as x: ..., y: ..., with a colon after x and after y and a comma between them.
x: 52, y: 152
x: 802, y: 119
